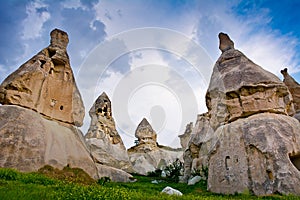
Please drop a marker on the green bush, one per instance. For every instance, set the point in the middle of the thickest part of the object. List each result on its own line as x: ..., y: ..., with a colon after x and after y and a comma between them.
x: 174, y: 170
x: 8, y: 174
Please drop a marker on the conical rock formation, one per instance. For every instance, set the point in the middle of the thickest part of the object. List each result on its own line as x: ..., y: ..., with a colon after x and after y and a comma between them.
x: 46, y: 84
x: 147, y: 156
x: 247, y: 140
x: 103, y: 139
x: 37, y: 127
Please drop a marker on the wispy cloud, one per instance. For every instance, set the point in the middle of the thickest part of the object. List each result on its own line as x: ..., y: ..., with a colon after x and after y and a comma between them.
x: 37, y: 15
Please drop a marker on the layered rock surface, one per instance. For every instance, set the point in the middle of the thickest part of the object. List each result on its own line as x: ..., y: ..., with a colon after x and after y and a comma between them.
x: 103, y: 139
x: 46, y: 84
x: 147, y: 155
x: 247, y: 140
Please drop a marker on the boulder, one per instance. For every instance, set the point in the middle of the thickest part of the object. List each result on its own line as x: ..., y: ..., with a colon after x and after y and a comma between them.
x: 171, y: 191
x: 194, y: 180
x: 46, y: 84
x: 102, y: 138
x: 116, y: 175
x: 28, y: 142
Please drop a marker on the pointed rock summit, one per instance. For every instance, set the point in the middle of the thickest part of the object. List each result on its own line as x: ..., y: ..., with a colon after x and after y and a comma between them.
x: 225, y: 42
x: 145, y: 133
x: 147, y: 156
x: 240, y: 88
x: 46, y: 84
x: 102, y: 138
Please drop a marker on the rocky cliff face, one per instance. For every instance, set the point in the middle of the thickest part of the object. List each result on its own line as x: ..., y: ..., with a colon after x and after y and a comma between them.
x: 247, y: 140
x: 103, y: 139
x: 46, y: 84
x: 147, y: 155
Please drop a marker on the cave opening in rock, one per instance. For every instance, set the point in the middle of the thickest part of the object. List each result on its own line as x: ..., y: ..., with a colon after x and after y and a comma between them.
x: 295, y: 159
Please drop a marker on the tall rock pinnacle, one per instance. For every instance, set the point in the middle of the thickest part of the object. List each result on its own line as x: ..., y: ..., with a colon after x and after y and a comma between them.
x: 46, y: 84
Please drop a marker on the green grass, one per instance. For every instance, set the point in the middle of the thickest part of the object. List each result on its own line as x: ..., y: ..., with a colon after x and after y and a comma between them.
x: 16, y: 185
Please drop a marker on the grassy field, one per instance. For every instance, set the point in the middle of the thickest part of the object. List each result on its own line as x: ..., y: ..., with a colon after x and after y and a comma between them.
x: 69, y: 184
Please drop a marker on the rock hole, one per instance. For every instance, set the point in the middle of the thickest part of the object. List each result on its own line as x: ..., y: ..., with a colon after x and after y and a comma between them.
x: 42, y: 63
x: 51, y: 70
x: 296, y: 161
x: 226, y: 162
x: 270, y: 175
x: 99, y: 110
x: 51, y: 52
x: 61, y: 107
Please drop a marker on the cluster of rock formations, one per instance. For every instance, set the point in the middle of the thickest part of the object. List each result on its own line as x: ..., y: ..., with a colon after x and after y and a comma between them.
x: 41, y: 110
x: 248, y: 139
x: 147, y: 156
x: 40, y: 114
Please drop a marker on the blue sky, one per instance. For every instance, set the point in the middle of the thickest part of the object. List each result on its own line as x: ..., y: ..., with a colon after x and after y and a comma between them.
x: 268, y: 32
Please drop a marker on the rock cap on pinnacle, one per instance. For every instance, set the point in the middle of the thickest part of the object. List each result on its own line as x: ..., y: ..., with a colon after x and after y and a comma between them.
x: 59, y: 38
x: 225, y: 42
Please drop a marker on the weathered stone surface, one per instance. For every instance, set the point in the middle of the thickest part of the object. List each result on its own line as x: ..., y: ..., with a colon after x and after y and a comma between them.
x: 156, y: 159
x: 46, y: 84
x: 184, y: 138
x: 103, y: 139
x: 147, y: 155
x: 28, y: 141
x: 196, y: 154
x: 260, y: 153
x: 116, y: 175
x: 293, y: 87
x: 194, y: 180
x: 240, y: 88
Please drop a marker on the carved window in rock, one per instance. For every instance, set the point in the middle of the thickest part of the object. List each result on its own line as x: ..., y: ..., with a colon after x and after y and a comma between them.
x: 104, y: 110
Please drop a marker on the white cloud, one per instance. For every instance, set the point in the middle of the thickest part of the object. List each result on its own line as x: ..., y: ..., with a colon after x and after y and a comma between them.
x: 251, y: 34
x: 74, y: 4
x: 37, y: 15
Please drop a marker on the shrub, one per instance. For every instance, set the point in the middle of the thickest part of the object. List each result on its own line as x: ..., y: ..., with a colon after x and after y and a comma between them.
x: 103, y: 180
x: 156, y: 173
x: 8, y: 174
x: 174, y: 170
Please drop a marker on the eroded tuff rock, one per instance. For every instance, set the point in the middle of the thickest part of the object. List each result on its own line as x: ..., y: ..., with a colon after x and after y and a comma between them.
x: 247, y: 139
x: 103, y: 139
x: 240, y: 88
x: 147, y: 155
x: 146, y: 138
x: 260, y: 153
x: 184, y: 138
x: 46, y: 84
x: 293, y: 87
x: 28, y: 141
